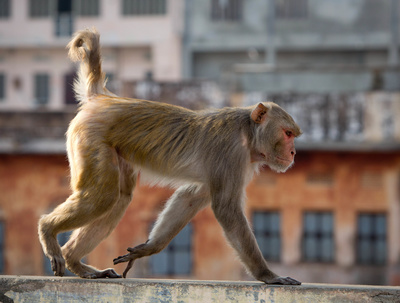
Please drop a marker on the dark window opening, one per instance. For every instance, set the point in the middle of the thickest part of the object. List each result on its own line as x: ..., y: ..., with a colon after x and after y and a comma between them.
x: 176, y: 258
x: 318, y: 240
x: 266, y: 227
x: 371, y: 239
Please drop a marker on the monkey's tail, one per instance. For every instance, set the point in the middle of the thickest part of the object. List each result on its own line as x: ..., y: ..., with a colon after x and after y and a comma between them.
x: 85, y: 47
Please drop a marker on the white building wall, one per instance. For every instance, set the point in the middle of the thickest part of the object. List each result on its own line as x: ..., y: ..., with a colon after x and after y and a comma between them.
x: 133, y: 46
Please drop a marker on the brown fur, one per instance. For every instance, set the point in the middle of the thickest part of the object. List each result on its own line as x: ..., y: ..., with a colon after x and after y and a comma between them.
x: 209, y: 156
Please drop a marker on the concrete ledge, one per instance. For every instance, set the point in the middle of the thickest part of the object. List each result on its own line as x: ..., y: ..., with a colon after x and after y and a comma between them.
x: 51, y: 289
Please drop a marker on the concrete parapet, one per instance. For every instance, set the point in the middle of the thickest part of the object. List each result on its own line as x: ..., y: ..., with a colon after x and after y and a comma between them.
x: 52, y: 289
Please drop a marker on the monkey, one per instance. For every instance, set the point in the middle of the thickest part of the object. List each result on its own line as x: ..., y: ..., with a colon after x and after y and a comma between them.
x: 209, y: 156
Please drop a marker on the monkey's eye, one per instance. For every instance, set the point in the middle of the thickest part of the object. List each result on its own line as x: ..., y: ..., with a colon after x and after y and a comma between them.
x: 288, y: 133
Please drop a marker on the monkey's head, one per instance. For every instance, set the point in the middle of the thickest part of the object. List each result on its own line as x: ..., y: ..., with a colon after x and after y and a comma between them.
x: 273, y: 143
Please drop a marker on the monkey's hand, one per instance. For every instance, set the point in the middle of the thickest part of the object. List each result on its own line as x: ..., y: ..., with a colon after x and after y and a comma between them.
x: 130, y: 258
x: 134, y: 253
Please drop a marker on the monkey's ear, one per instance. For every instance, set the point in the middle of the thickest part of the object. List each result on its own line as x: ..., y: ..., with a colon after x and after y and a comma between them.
x: 259, y: 114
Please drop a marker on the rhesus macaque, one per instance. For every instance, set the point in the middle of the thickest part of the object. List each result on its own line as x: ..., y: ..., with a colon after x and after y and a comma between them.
x: 209, y: 156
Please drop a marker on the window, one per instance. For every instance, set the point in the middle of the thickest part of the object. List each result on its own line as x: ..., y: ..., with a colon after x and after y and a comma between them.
x: 42, y: 89
x: 69, y: 94
x: 266, y: 227
x: 291, y: 9
x: 371, y: 239
x: 62, y: 239
x: 318, y: 241
x: 176, y: 258
x: 144, y: 7
x: 2, y: 87
x: 226, y: 10
x: 64, y: 18
x: 39, y: 8
x: 4, y: 8
x: 87, y: 7
x: 2, y: 241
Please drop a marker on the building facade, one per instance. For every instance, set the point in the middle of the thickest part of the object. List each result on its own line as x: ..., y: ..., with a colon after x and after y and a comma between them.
x: 306, y: 46
x: 334, y: 217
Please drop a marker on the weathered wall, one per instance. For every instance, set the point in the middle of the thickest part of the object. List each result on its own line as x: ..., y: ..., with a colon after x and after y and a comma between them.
x: 39, y: 289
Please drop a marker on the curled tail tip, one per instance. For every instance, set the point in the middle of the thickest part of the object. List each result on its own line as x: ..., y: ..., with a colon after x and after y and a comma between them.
x: 83, y: 42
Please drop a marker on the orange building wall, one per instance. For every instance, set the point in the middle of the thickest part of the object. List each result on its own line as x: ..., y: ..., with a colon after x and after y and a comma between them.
x: 345, y: 183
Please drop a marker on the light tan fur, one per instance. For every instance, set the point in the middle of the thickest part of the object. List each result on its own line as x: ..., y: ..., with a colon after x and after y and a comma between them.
x: 210, y: 156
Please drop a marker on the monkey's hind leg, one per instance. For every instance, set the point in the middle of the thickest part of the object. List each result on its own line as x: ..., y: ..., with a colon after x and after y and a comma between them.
x: 84, y: 240
x: 179, y: 210
x: 96, y: 190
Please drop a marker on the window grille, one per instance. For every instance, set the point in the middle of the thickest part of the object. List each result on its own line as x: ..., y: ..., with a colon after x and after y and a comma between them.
x: 42, y: 88
x: 371, y: 239
x: 226, y: 10
x: 88, y: 7
x: 144, y: 7
x: 267, y: 231
x: 291, y: 9
x: 4, y: 8
x: 39, y: 8
x: 318, y: 240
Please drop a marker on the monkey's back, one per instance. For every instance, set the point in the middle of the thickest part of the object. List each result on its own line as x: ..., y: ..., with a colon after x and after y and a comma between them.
x: 162, y: 137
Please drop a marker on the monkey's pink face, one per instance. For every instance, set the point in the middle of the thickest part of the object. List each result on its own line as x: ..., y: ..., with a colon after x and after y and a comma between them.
x: 285, y: 151
x: 281, y: 157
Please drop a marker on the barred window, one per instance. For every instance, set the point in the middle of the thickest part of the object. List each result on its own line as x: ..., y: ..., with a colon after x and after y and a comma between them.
x: 4, y: 8
x: 88, y: 7
x: 371, y: 239
x: 267, y: 231
x: 226, y: 10
x: 144, y: 7
x: 176, y: 258
x: 291, y: 9
x: 42, y: 89
x: 39, y: 8
x: 318, y: 240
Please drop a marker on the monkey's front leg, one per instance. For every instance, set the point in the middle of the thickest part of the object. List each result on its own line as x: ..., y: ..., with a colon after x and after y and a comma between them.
x: 180, y: 208
x: 229, y: 214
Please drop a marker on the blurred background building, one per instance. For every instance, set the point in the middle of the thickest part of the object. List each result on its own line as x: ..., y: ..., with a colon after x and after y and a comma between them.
x: 333, y: 64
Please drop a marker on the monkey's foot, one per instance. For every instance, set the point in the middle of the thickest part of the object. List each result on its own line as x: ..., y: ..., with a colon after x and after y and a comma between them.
x: 130, y: 258
x: 283, y: 281
x: 57, y: 265
x: 107, y: 273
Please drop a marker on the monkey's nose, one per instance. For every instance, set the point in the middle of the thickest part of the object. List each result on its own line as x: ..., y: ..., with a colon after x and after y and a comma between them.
x: 293, y: 152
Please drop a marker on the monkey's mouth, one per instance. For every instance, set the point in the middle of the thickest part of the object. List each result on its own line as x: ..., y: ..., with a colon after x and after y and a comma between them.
x: 284, y: 160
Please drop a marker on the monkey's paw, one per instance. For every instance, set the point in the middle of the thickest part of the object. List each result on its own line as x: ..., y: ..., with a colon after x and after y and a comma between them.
x: 283, y: 281
x: 57, y: 265
x: 107, y: 273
